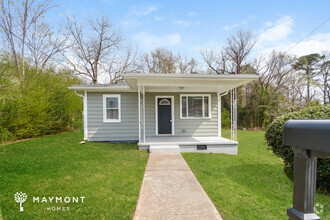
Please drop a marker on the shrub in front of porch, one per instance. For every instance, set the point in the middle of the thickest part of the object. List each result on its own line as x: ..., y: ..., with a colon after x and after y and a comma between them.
x: 274, y: 135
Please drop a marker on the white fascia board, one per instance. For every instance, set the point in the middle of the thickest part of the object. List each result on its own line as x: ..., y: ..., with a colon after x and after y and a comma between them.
x: 103, y: 89
x: 188, y: 80
x: 190, y: 76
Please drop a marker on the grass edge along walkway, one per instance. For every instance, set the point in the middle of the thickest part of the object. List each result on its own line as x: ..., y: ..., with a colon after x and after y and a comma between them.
x: 109, y: 176
x: 250, y: 185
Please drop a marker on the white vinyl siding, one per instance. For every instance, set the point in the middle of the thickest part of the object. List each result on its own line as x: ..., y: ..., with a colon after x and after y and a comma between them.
x: 198, y: 127
x: 126, y: 130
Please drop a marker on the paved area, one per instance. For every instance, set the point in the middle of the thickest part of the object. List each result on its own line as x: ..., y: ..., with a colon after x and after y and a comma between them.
x: 171, y: 191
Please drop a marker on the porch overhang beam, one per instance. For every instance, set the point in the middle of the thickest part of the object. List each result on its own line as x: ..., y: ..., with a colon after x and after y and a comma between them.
x: 188, y: 80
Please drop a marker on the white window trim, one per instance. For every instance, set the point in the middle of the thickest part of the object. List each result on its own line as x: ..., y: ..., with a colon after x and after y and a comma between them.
x: 193, y: 95
x: 172, y: 115
x: 105, y: 120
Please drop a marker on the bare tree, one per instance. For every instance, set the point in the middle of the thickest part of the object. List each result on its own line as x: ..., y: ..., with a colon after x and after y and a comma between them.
x: 16, y: 20
x: 91, y: 46
x: 277, y: 75
x: 230, y: 59
x: 274, y: 69
x: 279, y: 68
x: 309, y: 67
x: 295, y: 91
x: 160, y: 60
x: 44, y: 44
x: 7, y: 25
x: 216, y: 60
x: 125, y: 61
x: 325, y: 77
x: 186, y: 65
x: 238, y: 48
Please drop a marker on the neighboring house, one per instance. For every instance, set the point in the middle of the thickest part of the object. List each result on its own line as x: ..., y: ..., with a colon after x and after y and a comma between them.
x: 177, y: 112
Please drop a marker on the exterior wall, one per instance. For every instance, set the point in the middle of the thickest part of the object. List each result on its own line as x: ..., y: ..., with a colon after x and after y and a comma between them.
x: 126, y: 130
x: 183, y: 127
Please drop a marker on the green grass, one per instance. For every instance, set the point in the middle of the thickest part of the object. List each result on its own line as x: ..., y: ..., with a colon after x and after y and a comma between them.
x: 108, y: 175
x: 250, y: 185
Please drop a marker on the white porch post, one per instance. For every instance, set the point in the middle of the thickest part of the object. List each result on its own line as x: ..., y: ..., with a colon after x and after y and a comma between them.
x: 219, y: 114
x: 144, y: 115
x: 233, y: 114
x: 139, y: 104
x: 85, y: 117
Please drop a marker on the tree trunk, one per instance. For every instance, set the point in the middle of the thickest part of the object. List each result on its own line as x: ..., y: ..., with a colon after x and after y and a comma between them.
x: 23, y: 37
x: 95, y: 73
x: 277, y: 100
x: 325, y: 92
x: 308, y: 87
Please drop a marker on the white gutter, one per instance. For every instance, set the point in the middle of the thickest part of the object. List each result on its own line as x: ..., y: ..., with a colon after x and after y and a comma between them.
x: 78, y: 94
x: 102, y: 89
x: 189, y: 76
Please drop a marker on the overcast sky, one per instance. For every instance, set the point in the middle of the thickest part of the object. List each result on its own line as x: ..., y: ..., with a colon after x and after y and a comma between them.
x: 187, y: 26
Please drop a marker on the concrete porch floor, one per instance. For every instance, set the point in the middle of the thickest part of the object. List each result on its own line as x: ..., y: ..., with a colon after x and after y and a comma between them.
x: 186, y: 140
x: 163, y: 144
x: 171, y: 191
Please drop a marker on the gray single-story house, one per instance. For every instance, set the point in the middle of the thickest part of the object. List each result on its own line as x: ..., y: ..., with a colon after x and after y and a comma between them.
x: 163, y: 112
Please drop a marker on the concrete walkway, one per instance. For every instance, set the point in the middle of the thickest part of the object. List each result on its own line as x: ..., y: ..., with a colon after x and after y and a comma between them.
x: 171, y: 191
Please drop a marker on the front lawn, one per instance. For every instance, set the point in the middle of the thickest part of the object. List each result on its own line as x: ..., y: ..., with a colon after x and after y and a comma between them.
x: 250, y: 185
x: 109, y: 176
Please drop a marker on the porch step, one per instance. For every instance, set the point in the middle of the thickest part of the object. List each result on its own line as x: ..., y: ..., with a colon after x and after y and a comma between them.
x: 164, y: 148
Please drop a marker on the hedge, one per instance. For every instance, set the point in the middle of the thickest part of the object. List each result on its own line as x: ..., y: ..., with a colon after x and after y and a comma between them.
x: 274, y: 141
x: 40, y: 104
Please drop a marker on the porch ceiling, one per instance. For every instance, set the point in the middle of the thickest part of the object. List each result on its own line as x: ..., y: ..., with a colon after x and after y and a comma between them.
x: 187, y: 82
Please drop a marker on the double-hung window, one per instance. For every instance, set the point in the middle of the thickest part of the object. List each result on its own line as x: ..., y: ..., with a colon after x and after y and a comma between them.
x: 111, y: 108
x: 195, y: 106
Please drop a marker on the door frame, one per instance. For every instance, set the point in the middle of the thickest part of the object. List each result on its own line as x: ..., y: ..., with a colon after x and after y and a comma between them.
x: 172, y: 114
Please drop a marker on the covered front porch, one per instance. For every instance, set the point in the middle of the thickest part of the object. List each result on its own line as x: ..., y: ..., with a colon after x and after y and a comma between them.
x: 201, y: 133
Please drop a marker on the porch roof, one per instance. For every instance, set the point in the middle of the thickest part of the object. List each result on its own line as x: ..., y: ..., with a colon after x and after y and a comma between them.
x: 171, y: 83
x: 123, y: 87
x: 187, y: 82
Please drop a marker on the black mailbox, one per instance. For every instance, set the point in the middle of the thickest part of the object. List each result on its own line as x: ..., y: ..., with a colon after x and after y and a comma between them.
x: 309, y: 139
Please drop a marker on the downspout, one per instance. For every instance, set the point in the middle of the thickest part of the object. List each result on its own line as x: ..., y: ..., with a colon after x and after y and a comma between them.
x: 219, y: 111
x: 84, y: 112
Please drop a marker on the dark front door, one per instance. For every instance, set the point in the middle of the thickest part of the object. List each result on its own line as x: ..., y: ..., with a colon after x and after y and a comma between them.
x: 164, y: 115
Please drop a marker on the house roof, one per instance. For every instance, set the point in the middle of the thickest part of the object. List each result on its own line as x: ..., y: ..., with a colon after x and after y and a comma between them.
x: 122, y: 87
x: 172, y: 83
x: 187, y: 82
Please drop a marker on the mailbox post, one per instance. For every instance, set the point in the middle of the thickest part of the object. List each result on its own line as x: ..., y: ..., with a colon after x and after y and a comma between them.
x: 309, y: 139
